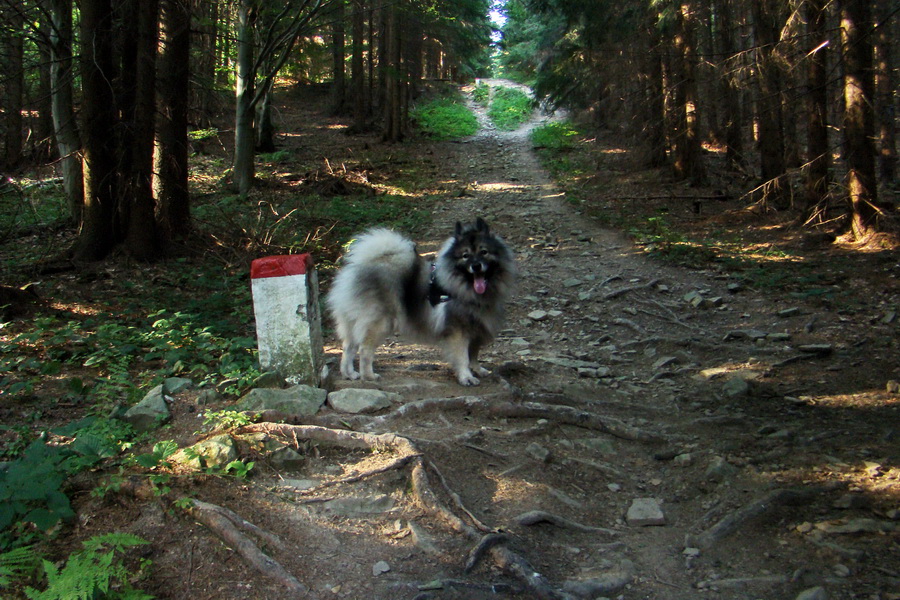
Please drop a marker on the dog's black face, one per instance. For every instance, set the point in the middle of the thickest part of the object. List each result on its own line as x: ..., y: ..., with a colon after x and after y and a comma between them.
x: 477, y: 255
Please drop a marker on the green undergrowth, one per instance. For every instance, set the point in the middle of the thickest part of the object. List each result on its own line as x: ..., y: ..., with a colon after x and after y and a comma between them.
x: 509, y: 108
x: 445, y: 119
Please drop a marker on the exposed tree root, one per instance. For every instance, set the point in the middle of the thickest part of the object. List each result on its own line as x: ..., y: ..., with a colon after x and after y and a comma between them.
x: 500, y: 408
x: 625, y: 290
x: 226, y: 524
x: 538, y: 516
x: 732, y: 522
x: 507, y: 559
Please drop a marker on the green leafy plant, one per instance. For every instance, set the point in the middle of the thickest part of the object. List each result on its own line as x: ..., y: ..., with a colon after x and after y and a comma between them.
x: 445, y: 119
x: 98, y: 571
x: 510, y: 108
x: 215, y: 420
x: 557, y: 135
x: 30, y: 491
x: 482, y: 93
x: 161, y: 451
x: 17, y: 564
x: 238, y: 468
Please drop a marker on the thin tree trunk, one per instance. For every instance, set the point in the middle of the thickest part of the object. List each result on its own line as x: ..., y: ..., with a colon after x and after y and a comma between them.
x: 171, y: 152
x: 358, y: 77
x: 265, y: 130
x: 858, y: 126
x: 688, y: 161
x: 654, y: 94
x: 731, y: 114
x: 142, y: 239
x: 68, y: 141
x: 244, y: 168
x: 818, y: 152
x: 95, y: 239
x: 338, y: 57
x: 884, y: 91
x: 13, y: 87
x: 766, y: 16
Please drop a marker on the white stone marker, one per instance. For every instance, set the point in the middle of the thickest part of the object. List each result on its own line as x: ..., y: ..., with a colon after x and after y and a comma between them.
x: 288, y: 324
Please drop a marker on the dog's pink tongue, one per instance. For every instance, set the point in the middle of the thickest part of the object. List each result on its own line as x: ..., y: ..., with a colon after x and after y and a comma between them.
x: 480, y: 285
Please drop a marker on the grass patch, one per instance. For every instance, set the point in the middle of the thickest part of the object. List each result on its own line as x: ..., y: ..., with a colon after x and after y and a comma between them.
x: 510, y: 108
x: 445, y: 119
x: 482, y: 94
x: 558, y: 135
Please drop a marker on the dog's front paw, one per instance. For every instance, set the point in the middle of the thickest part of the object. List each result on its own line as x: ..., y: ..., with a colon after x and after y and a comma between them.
x: 351, y: 375
x: 468, y: 380
x: 371, y: 377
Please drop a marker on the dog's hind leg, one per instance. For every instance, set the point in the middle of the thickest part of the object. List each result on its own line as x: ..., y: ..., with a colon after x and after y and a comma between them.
x: 348, y: 358
x: 456, y: 347
x: 375, y: 334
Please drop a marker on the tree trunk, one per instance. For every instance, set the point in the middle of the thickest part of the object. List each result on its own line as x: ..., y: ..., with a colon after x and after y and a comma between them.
x: 13, y: 86
x: 265, y: 130
x: 731, y: 94
x: 688, y: 161
x: 818, y: 152
x: 338, y: 57
x: 767, y: 22
x: 654, y: 97
x: 142, y: 240
x: 884, y: 92
x: 95, y: 239
x: 358, y: 77
x: 858, y: 126
x: 392, y: 76
x: 170, y: 184
x: 68, y: 141
x: 244, y: 134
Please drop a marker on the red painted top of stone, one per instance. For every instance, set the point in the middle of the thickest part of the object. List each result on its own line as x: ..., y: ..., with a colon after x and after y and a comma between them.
x: 280, y: 266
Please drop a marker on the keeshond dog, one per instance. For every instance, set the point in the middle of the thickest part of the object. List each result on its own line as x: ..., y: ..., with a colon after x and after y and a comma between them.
x: 457, y: 303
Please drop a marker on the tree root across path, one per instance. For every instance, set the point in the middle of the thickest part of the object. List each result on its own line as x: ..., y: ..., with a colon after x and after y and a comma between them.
x: 498, y: 407
x: 227, y: 525
x: 494, y: 544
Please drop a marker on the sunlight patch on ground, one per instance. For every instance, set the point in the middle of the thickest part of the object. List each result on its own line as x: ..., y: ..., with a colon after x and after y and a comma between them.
x: 614, y: 151
x: 501, y: 187
x: 75, y: 308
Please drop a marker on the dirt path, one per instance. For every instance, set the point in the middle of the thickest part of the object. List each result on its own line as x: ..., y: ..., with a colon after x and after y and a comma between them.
x: 649, y: 432
x: 753, y: 478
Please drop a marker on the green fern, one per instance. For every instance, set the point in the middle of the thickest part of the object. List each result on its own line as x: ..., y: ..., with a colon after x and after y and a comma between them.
x: 95, y: 572
x: 17, y: 564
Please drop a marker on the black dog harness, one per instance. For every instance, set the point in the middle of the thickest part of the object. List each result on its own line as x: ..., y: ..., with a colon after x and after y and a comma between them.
x: 436, y: 293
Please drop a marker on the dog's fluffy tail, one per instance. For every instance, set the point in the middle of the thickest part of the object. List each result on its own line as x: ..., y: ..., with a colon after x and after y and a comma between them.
x: 384, y: 248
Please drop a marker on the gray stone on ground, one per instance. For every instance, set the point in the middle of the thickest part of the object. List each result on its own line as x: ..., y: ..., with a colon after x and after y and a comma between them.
x: 358, y: 400
x: 176, y: 385
x: 736, y: 386
x: 720, y: 469
x: 644, y: 512
x: 816, y: 593
x: 302, y: 400
x: 360, y: 505
x: 286, y: 459
x: 150, y: 412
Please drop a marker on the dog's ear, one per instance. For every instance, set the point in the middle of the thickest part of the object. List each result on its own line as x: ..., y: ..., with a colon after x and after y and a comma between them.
x: 481, y: 225
x: 459, y: 228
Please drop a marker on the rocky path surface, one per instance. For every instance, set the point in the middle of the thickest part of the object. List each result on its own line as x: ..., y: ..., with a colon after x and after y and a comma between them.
x: 649, y: 432
x: 717, y: 478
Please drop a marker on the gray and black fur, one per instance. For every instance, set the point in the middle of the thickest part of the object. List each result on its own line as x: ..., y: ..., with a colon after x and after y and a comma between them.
x: 457, y: 303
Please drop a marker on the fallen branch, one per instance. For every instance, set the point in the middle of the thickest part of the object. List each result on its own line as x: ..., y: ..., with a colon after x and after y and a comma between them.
x: 225, y: 523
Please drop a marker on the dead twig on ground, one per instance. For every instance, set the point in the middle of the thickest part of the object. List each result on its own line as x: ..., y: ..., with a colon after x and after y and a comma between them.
x: 627, y: 290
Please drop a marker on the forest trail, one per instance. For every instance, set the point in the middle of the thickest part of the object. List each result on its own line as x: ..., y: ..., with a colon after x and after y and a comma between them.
x: 649, y: 431
x: 743, y: 478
